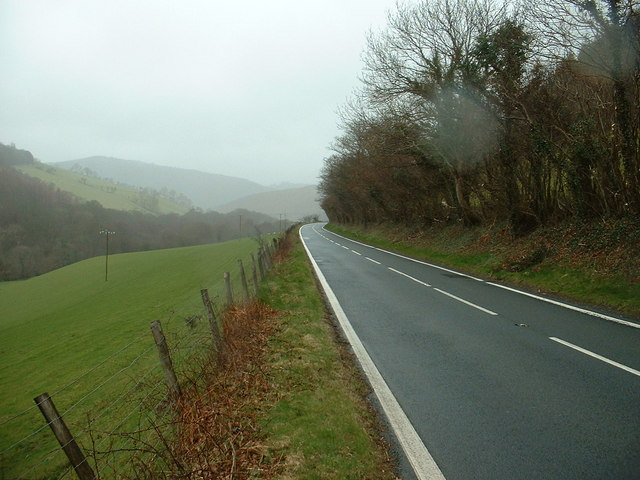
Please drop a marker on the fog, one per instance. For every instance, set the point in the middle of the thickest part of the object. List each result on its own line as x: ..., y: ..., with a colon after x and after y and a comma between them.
x: 247, y: 89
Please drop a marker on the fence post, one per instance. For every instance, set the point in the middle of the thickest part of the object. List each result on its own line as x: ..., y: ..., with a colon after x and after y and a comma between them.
x: 213, y: 323
x: 243, y: 278
x: 227, y: 283
x: 267, y: 256
x: 64, y: 437
x: 254, y: 273
x: 261, y: 262
x: 165, y: 360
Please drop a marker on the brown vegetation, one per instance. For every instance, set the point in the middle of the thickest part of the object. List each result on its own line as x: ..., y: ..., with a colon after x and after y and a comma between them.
x: 480, y: 113
x: 215, y: 428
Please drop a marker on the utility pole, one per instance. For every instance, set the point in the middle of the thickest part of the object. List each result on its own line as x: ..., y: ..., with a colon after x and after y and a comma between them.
x: 240, y: 225
x: 106, y: 257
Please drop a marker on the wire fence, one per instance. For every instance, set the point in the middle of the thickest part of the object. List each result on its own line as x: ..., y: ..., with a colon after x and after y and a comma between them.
x: 118, y: 409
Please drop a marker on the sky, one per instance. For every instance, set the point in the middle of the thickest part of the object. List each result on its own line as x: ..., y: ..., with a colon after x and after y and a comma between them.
x: 245, y: 88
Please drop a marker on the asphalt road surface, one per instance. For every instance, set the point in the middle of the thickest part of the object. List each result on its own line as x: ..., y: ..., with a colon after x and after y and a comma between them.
x: 484, y: 381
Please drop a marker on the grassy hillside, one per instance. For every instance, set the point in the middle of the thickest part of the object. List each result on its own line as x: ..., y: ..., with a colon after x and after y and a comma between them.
x: 295, y: 203
x: 108, y: 194
x: 206, y: 190
x: 57, y: 326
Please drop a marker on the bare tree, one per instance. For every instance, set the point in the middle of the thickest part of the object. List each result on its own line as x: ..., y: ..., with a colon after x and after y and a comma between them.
x: 604, y: 36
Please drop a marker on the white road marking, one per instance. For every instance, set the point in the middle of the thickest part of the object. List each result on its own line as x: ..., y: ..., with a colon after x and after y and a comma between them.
x: 465, y: 302
x: 409, y: 258
x: 357, y: 253
x: 537, y: 297
x: 595, y: 355
x: 409, y: 277
x: 419, y: 457
x: 565, y: 305
x: 372, y: 260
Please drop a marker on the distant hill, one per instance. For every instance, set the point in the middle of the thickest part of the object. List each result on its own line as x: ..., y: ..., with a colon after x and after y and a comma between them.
x: 205, y: 190
x: 295, y: 203
x: 43, y: 227
x: 108, y: 194
x: 10, y: 156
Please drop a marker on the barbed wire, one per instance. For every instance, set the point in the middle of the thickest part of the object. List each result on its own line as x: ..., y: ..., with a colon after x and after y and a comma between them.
x: 31, y: 435
x: 125, y: 393
x: 72, y: 382
x: 118, y: 373
x: 197, y: 340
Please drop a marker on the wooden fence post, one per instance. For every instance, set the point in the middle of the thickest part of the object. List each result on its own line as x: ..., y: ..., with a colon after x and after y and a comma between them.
x: 254, y: 273
x: 165, y: 360
x: 261, y: 262
x: 213, y: 323
x: 64, y: 437
x: 267, y: 256
x: 227, y: 283
x: 243, y: 278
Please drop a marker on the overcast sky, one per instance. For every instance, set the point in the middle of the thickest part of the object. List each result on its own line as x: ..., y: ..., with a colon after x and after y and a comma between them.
x: 247, y: 88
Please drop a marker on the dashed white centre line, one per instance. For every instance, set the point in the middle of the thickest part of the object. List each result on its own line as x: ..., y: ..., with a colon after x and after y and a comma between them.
x: 357, y: 253
x: 409, y: 277
x: 595, y: 355
x: 465, y: 302
x: 372, y: 260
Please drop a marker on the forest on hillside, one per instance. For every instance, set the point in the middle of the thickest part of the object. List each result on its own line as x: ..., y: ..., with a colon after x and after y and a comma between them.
x: 43, y: 228
x: 478, y: 111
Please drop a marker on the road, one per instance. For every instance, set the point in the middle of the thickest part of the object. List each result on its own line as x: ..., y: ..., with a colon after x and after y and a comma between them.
x: 496, y: 383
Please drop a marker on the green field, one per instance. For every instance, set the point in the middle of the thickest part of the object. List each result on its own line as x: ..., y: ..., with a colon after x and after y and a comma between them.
x: 108, y: 194
x: 57, y: 326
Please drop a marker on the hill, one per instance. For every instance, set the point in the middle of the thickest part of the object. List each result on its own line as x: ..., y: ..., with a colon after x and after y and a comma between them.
x: 107, y: 193
x: 11, y: 156
x: 206, y: 190
x: 43, y: 228
x: 61, y: 325
x: 293, y: 204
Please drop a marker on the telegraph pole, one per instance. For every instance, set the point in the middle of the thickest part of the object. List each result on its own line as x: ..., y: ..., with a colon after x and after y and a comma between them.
x: 106, y: 257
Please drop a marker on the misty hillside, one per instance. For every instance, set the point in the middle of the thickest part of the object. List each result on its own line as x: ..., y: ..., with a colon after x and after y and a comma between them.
x: 206, y: 190
x: 43, y: 227
x: 295, y: 203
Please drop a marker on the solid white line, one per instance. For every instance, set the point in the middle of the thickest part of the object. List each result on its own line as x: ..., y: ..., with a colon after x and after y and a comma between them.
x: 372, y: 260
x: 409, y: 277
x: 595, y: 355
x: 570, y: 307
x: 465, y: 302
x: 357, y: 253
x: 407, y: 258
x: 548, y: 300
x: 419, y: 457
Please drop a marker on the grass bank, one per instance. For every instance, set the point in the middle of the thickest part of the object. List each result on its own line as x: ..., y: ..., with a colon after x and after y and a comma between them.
x: 318, y: 422
x: 87, y: 342
x: 597, y: 264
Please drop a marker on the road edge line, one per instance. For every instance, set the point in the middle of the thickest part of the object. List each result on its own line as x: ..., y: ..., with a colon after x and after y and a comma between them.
x: 597, y: 356
x: 419, y: 457
x: 568, y: 306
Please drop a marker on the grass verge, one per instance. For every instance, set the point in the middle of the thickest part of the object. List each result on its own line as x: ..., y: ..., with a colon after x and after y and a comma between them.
x: 319, y: 422
x: 596, y: 264
x: 282, y: 400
